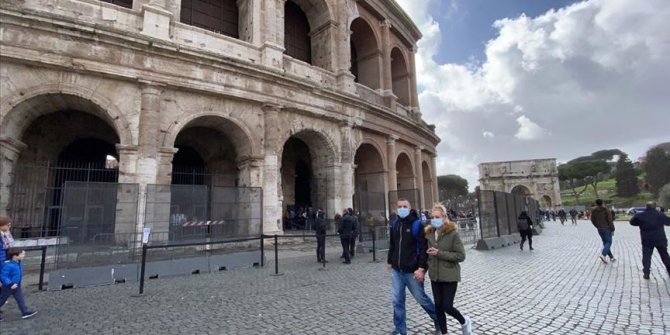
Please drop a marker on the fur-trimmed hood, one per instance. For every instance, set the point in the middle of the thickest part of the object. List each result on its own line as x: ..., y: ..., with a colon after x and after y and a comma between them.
x: 446, y: 228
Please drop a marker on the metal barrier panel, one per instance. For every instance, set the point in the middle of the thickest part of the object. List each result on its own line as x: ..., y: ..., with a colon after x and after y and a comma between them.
x: 371, y: 208
x: 468, y: 230
x: 512, y: 214
x: 487, y: 214
x: 502, y: 210
x: 238, y: 212
x: 98, y: 225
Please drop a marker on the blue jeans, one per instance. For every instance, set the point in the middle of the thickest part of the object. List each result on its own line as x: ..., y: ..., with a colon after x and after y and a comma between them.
x: 400, y: 280
x: 18, y: 296
x: 606, y: 236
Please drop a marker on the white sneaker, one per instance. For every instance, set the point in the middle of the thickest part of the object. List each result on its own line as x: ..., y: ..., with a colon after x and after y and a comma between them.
x: 467, y: 326
x: 612, y: 259
x: 602, y: 258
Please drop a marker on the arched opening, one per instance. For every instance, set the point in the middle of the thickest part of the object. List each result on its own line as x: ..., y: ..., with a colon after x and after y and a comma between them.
x: 365, y: 54
x: 405, y: 172
x: 305, y: 178
x: 67, y: 146
x: 427, y: 185
x: 521, y: 190
x: 546, y: 200
x: 297, y: 40
x: 400, y: 76
x: 220, y: 16
x: 369, y: 188
x: 205, y: 156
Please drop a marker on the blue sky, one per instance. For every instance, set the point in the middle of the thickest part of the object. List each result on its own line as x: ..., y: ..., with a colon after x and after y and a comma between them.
x: 468, y: 24
x: 526, y: 79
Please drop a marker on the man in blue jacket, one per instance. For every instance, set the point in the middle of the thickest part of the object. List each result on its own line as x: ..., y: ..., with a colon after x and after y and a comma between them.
x: 11, y: 275
x: 651, y: 224
x: 408, y: 261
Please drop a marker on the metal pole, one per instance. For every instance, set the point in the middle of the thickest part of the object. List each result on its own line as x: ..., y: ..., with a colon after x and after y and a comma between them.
x: 42, y: 266
x: 495, y: 209
x: 262, y: 250
x: 374, y: 244
x: 142, y: 268
x: 276, y: 255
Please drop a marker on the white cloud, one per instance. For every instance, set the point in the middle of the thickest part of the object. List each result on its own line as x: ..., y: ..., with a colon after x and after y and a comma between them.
x: 564, y: 84
x: 528, y: 130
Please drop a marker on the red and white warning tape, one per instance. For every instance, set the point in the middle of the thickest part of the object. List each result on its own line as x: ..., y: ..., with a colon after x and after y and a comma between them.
x: 202, y: 223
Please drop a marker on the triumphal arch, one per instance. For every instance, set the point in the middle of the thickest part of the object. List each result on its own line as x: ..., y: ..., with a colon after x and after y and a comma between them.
x: 537, y: 178
x: 188, y: 106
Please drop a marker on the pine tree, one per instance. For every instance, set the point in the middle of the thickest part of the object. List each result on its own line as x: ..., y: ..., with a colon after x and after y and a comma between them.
x: 657, y: 168
x: 626, y: 179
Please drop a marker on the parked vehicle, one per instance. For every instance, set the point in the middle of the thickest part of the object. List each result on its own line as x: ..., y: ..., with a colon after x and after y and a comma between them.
x: 635, y: 210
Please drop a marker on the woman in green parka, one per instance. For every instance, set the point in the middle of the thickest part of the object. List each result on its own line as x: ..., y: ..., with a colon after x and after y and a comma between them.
x: 445, y: 252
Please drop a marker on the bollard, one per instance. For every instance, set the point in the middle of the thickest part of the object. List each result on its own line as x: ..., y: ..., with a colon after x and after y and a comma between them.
x: 262, y: 250
x: 144, y: 264
x: 277, y: 257
x: 374, y: 245
x: 42, y: 266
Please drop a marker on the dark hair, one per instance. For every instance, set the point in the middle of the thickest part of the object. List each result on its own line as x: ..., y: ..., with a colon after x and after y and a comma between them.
x: 4, y: 220
x: 599, y: 202
x: 11, y: 252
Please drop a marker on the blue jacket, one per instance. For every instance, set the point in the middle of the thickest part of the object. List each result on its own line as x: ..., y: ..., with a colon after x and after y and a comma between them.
x: 11, y: 273
x: 651, y: 224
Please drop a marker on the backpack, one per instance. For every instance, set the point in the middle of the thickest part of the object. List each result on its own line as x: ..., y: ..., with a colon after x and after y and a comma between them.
x: 416, y: 230
x: 522, y: 224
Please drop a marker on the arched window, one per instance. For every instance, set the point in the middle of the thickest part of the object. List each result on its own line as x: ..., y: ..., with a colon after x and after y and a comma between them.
x: 365, y: 55
x: 297, y: 41
x: 400, y: 77
x: 122, y: 3
x: 221, y: 16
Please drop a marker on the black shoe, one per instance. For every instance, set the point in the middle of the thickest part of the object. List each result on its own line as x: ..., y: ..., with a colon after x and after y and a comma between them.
x: 346, y: 262
x: 342, y: 257
x: 646, y: 276
x: 521, y: 246
x: 531, y: 248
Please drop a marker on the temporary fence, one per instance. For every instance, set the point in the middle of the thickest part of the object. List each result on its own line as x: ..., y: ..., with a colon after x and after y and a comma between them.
x: 498, y: 212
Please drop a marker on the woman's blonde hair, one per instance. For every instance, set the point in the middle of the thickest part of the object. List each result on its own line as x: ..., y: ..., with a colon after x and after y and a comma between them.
x: 439, y: 207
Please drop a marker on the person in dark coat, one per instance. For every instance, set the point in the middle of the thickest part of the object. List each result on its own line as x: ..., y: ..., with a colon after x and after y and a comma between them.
x: 525, y: 226
x: 653, y: 236
x: 320, y: 227
x: 602, y: 219
x: 354, y: 233
x: 346, y: 230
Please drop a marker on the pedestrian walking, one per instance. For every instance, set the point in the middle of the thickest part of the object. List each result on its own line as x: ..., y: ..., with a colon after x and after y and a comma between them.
x: 653, y: 236
x: 525, y: 226
x: 445, y: 253
x: 601, y: 218
x: 573, y: 216
x: 562, y: 216
x: 346, y: 229
x: 11, y: 275
x: 407, y: 262
x: 354, y: 233
x: 320, y: 228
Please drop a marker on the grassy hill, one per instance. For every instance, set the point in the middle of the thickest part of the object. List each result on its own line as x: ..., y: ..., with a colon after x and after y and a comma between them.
x: 607, y: 192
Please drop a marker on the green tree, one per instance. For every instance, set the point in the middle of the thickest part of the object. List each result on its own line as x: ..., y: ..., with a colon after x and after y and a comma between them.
x: 452, y: 185
x: 657, y: 168
x: 626, y: 178
x: 664, y: 196
x: 590, y: 172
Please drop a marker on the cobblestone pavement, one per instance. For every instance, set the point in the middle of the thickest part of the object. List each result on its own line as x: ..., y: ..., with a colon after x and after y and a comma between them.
x: 560, y: 288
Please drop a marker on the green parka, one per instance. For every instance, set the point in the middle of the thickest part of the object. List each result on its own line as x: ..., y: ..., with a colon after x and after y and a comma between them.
x: 445, y: 267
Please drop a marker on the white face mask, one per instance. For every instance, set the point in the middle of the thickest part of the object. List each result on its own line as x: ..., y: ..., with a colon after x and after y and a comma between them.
x: 437, y: 223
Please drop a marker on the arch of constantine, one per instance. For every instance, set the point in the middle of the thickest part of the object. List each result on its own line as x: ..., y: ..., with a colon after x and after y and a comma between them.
x: 312, y: 101
x: 537, y: 178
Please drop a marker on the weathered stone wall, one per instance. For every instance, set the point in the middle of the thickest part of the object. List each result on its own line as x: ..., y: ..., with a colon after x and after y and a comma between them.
x: 539, y: 177
x: 145, y: 78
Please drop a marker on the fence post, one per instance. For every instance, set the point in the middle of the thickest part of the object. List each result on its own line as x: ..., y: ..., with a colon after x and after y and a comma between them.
x: 374, y: 244
x: 42, y: 266
x: 479, y: 208
x: 262, y: 250
x: 142, y: 268
x: 276, y: 256
x: 495, y: 209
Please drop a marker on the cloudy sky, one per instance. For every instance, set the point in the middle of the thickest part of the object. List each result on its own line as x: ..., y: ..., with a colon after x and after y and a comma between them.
x: 523, y: 79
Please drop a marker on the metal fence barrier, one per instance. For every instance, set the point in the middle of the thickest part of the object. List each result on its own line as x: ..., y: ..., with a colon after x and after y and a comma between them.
x: 498, y: 212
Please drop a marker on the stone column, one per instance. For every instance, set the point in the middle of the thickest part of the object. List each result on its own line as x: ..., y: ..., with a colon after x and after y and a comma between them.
x: 250, y: 20
x: 387, y: 78
x: 414, y: 95
x: 418, y: 175
x: 390, y: 156
x: 433, y: 164
x: 272, y: 205
x: 272, y: 33
x: 129, y: 198
x: 251, y: 171
x: 345, y: 79
x: 156, y: 18
x: 346, y: 171
x: 165, y: 156
x: 10, y: 149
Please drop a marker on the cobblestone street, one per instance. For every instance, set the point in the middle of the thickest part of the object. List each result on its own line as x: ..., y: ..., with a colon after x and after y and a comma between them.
x: 560, y: 288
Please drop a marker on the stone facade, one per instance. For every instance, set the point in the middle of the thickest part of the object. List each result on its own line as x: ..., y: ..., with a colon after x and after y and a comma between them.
x: 537, y: 178
x: 142, y: 81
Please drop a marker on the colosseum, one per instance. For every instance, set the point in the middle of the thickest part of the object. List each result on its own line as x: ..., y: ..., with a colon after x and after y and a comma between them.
x: 121, y: 114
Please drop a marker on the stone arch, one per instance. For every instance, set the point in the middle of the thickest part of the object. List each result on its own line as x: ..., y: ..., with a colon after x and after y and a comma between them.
x: 521, y: 190
x: 405, y: 170
x: 316, y: 33
x: 369, y: 173
x: 548, y: 203
x: 240, y: 135
x: 400, y: 76
x: 22, y: 109
x: 365, y: 53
